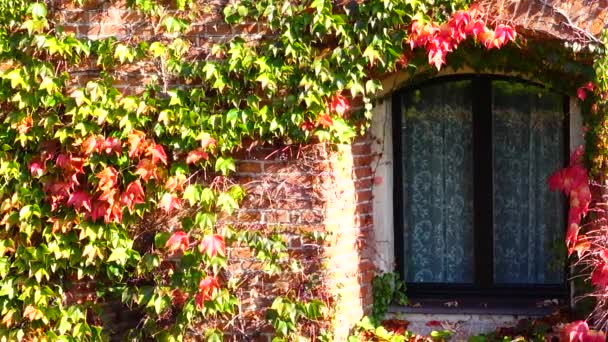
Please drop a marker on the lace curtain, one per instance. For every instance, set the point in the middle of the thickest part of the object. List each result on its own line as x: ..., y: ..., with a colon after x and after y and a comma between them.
x: 528, y: 144
x: 437, y: 163
x: 437, y: 132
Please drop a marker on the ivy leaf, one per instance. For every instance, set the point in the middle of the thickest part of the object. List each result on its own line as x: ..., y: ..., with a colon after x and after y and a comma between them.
x: 32, y: 313
x: 178, y: 241
x: 123, y: 53
x: 174, y: 25
x: 225, y: 165
x: 205, y: 220
x: 157, y: 152
x: 227, y: 203
x: 119, y: 255
x: 37, y: 10
x: 210, y: 70
x: 169, y: 202
x: 213, y: 245
x: 192, y: 194
x: 79, y: 97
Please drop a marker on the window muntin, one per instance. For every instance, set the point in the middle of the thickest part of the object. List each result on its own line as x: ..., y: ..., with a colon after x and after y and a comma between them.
x: 450, y: 131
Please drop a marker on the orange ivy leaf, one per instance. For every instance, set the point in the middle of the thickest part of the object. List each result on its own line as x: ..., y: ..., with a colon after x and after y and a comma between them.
x: 175, y: 183
x: 206, y: 140
x: 325, y: 120
x: 157, y: 152
x: 213, y: 245
x: 146, y: 170
x: 114, y: 214
x: 8, y: 319
x: 137, y: 143
x: 91, y: 144
x: 25, y: 125
x: 108, y: 178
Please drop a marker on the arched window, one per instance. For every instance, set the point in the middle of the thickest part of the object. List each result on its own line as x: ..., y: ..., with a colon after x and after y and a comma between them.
x: 473, y: 209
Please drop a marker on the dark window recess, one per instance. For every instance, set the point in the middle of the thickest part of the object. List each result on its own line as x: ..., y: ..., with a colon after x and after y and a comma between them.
x: 474, y: 214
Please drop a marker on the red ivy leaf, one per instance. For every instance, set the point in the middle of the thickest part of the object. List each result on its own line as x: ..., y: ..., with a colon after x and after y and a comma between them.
x: 339, y: 104
x: 599, y: 277
x: 134, y: 194
x: 37, y: 167
x: 157, y: 152
x: 169, y: 202
x: 111, y: 145
x: 475, y: 28
x: 433, y: 323
x: 574, y: 332
x: 196, y: 155
x: 80, y: 199
x: 179, y: 297
x: 213, y: 245
x: 178, y: 241
x: 307, y: 126
x: 505, y: 33
x: 100, y: 208
x: 206, y: 287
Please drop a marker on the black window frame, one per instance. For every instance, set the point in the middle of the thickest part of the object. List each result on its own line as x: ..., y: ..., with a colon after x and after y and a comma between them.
x: 482, y: 150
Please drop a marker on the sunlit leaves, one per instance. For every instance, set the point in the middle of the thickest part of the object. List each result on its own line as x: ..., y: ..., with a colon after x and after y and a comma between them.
x: 178, y: 241
x: 169, y: 202
x: 85, y: 163
x: 213, y: 245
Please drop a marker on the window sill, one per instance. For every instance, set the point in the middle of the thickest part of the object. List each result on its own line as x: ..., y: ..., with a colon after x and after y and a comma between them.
x: 480, y: 306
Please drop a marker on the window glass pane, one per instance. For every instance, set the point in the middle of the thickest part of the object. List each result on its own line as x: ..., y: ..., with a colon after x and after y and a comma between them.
x: 437, y: 184
x: 528, y: 144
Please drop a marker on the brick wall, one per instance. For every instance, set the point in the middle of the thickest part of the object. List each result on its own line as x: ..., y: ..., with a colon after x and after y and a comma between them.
x: 323, y: 188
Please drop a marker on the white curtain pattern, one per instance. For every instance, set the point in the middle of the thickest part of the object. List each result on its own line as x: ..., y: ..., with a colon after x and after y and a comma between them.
x: 438, y: 184
x: 528, y: 143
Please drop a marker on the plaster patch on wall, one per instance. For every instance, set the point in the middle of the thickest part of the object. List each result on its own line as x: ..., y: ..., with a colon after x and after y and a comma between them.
x: 382, y: 167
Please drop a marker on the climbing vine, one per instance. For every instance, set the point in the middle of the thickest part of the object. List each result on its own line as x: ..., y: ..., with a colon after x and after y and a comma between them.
x: 85, y: 166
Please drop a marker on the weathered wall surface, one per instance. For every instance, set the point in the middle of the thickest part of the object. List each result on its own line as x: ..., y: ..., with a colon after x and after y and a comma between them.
x: 572, y: 20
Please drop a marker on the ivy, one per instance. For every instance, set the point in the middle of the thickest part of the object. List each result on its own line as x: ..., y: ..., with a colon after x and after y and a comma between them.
x: 127, y: 189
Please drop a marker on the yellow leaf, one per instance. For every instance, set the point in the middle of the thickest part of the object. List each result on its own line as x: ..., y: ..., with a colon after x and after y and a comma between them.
x: 32, y: 313
x: 78, y: 96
